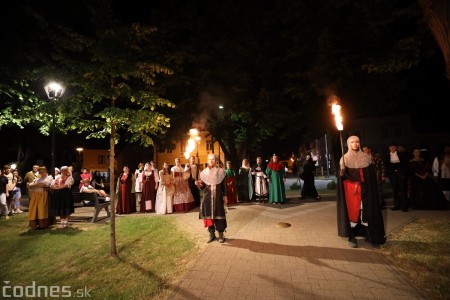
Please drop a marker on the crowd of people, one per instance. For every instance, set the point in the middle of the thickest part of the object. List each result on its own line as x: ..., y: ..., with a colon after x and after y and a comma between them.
x: 416, y: 183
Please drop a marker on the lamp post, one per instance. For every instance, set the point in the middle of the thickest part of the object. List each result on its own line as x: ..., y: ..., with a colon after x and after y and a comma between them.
x: 54, y: 91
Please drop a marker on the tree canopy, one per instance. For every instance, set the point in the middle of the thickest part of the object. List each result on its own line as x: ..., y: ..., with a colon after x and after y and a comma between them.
x: 271, y: 64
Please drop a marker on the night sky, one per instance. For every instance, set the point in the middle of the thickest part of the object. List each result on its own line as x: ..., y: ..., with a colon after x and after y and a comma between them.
x: 260, y: 45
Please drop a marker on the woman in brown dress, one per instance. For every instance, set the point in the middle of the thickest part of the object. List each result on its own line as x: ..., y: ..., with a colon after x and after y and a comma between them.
x: 150, y: 179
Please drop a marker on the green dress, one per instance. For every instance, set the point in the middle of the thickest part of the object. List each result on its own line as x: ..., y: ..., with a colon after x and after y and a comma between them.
x: 276, y: 174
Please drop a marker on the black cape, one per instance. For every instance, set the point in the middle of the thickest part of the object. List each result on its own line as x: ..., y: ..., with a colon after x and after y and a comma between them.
x: 371, y: 208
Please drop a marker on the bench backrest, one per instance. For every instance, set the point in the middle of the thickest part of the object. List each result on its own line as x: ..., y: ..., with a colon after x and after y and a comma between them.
x: 78, y: 197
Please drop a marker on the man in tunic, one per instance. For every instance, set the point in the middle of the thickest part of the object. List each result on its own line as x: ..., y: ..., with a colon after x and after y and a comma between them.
x: 212, y: 206
x: 358, y: 206
x: 30, y: 177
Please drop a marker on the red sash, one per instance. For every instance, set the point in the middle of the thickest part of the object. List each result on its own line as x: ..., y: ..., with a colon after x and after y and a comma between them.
x: 352, y: 191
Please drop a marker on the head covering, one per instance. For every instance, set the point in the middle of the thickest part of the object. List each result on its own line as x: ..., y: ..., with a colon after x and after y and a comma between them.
x: 356, y: 159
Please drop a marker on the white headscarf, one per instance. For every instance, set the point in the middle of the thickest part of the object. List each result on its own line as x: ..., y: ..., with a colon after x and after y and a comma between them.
x: 355, y: 159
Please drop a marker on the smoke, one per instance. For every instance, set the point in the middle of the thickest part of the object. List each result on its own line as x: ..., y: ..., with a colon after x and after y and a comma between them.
x: 208, y: 107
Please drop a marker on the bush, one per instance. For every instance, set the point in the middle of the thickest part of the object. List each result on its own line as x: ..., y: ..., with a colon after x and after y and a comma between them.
x: 332, y: 185
x: 295, y: 186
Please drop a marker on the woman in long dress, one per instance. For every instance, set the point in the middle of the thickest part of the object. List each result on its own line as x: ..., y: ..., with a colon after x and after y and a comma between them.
x: 183, y: 201
x: 38, y: 206
x: 245, y: 182
x: 62, y: 197
x: 150, y: 179
x: 138, y: 183
x: 231, y: 183
x: 276, y: 176
x: 166, y: 189
x: 307, y: 175
x: 424, y: 193
x: 259, y: 173
x: 123, y: 191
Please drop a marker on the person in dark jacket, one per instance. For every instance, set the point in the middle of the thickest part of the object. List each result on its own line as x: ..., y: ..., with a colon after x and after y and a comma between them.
x: 397, y: 169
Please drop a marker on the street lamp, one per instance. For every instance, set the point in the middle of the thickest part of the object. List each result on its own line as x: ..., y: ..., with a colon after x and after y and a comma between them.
x: 80, y: 159
x: 54, y: 91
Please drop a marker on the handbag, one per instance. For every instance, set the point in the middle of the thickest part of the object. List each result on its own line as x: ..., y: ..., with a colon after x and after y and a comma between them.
x: 148, y: 204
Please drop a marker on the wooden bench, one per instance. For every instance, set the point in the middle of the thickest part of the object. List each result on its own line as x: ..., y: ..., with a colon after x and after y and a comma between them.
x: 80, y: 200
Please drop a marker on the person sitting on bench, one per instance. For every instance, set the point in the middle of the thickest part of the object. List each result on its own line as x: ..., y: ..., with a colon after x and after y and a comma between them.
x: 87, y: 188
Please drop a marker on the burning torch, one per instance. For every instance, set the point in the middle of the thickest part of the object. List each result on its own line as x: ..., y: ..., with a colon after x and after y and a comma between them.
x: 336, y: 110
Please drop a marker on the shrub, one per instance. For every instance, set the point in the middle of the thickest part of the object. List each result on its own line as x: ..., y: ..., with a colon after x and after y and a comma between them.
x: 332, y: 185
x: 295, y: 186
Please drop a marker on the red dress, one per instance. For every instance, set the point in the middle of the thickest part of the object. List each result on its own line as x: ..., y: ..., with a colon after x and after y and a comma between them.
x: 148, y: 192
x: 231, y: 187
x: 124, y: 199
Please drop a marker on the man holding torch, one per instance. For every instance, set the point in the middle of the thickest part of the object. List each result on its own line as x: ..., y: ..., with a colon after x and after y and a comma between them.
x: 212, y: 206
x: 358, y: 207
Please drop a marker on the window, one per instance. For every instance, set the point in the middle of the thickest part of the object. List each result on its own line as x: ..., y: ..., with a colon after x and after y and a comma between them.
x: 209, y: 145
x: 101, y: 159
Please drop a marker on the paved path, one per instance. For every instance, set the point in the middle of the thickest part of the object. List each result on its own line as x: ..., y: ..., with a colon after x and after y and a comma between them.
x: 304, y: 261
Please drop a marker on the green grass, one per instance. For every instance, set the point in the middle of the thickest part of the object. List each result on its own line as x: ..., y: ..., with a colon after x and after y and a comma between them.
x: 422, y: 251
x: 153, y: 251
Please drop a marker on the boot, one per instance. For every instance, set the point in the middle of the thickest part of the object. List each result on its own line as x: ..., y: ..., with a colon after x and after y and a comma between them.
x: 352, y: 242
x: 221, y: 237
x: 212, y: 236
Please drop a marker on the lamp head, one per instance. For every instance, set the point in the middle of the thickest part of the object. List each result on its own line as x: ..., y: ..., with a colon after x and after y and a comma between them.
x: 54, y: 90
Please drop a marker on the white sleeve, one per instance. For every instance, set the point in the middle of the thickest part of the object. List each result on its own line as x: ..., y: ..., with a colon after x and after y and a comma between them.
x: 435, y: 167
x: 156, y: 175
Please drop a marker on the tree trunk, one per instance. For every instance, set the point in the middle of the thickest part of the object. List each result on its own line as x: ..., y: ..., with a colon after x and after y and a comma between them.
x: 437, y: 16
x: 112, y: 225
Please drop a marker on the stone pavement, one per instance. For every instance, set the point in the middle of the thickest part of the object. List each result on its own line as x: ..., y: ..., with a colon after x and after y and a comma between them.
x: 307, y: 260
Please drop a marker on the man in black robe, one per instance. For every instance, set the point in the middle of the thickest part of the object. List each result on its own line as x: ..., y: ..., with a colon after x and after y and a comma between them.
x: 212, y: 206
x: 358, y: 207
x: 194, y: 172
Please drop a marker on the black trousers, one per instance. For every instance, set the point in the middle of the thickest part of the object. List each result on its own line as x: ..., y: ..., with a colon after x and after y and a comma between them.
x: 219, y: 224
x: 399, y: 184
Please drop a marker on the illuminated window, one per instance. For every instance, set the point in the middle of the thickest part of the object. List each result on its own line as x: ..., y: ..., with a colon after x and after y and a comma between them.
x: 101, y: 159
x: 209, y: 145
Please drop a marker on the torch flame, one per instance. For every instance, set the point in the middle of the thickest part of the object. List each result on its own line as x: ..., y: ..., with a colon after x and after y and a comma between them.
x: 336, y: 110
x: 189, y: 148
